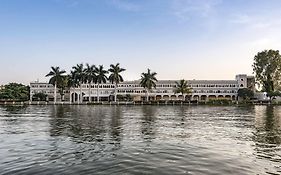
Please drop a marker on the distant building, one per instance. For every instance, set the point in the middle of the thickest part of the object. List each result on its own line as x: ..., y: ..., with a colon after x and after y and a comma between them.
x: 202, y: 90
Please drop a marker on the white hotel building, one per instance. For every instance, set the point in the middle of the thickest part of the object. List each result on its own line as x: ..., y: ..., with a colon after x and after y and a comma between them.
x: 202, y: 90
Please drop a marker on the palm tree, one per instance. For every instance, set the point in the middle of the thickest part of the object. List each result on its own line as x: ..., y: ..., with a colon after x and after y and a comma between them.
x: 80, y: 77
x: 72, y: 82
x: 115, y: 77
x: 148, y: 81
x: 100, y: 77
x: 182, y: 87
x: 62, y: 85
x: 90, y: 77
x: 56, y: 76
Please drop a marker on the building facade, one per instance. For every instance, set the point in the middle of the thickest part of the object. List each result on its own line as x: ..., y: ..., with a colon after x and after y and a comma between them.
x: 201, y: 90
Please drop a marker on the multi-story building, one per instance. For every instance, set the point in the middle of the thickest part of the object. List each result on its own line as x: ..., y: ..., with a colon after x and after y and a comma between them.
x: 201, y: 90
x: 41, y: 87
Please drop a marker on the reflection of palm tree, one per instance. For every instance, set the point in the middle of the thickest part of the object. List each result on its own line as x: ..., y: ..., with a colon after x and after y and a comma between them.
x: 148, y: 128
x: 116, y: 124
x: 182, y: 87
x: 115, y: 77
x: 148, y: 81
x: 82, y: 126
x: 100, y: 77
x: 90, y: 77
x: 56, y: 76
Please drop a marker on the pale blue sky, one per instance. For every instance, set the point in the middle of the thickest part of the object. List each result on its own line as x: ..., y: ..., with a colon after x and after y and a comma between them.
x: 191, y: 39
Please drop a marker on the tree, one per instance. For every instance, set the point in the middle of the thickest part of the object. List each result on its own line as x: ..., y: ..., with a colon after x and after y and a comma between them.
x: 267, y: 70
x: 182, y: 87
x: 245, y: 93
x: 90, y: 77
x: 40, y: 96
x: 274, y: 94
x: 72, y: 82
x: 63, y: 84
x: 115, y: 77
x: 148, y: 81
x: 100, y: 77
x: 79, y: 77
x: 15, y: 92
x: 56, y: 76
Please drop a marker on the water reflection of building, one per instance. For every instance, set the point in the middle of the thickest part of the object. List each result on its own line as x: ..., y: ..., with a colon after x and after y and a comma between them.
x: 201, y: 90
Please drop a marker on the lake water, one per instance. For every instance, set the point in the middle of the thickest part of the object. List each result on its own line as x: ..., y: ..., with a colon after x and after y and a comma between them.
x: 140, y: 140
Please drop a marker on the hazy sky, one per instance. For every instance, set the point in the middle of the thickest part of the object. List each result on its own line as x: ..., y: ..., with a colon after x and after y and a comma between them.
x: 191, y: 39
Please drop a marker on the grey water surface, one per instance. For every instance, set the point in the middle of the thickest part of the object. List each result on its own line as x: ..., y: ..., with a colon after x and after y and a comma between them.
x: 140, y: 140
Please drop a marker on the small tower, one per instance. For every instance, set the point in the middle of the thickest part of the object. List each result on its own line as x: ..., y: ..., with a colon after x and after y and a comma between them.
x: 241, y: 80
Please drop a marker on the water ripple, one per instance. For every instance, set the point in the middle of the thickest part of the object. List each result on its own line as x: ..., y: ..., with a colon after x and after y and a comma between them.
x: 140, y: 140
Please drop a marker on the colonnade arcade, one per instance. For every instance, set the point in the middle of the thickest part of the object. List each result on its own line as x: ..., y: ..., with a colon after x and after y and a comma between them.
x: 75, y: 96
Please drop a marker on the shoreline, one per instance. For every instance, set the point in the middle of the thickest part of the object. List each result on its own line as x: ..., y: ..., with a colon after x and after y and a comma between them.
x: 162, y: 103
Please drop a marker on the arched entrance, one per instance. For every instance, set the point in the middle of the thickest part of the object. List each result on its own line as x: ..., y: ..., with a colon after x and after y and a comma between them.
x: 173, y: 97
x: 228, y: 97
x: 212, y: 97
x: 180, y: 97
x: 195, y: 97
x: 204, y: 97
x: 74, y: 97
x: 166, y: 97
x: 187, y: 97
x: 158, y: 97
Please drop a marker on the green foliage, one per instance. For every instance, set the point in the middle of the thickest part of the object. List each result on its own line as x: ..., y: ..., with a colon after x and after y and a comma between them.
x: 148, y: 80
x: 101, y: 74
x: 15, y: 92
x: 57, y: 79
x: 101, y: 77
x: 126, y: 97
x: 63, y: 84
x: 56, y: 75
x: 274, y: 94
x: 78, y: 74
x: 182, y: 87
x: 39, y: 97
x: 115, y: 77
x: 115, y: 71
x: 72, y: 80
x: 245, y: 93
x: 267, y: 69
x: 90, y: 73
